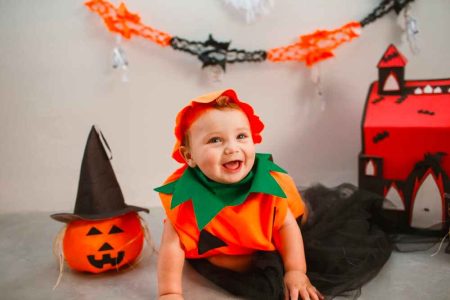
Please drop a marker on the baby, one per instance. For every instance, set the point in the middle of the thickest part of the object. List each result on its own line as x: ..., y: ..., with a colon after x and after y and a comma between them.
x: 232, y: 212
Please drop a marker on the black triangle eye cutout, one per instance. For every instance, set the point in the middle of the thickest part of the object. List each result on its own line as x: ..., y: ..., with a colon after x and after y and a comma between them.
x: 94, y: 231
x: 115, y: 229
x: 208, y: 241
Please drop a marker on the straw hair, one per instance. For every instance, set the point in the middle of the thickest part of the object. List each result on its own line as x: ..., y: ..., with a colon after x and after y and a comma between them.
x: 222, y: 102
x: 59, y: 253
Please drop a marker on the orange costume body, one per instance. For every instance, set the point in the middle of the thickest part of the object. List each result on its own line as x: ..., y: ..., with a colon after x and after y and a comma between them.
x: 243, y: 229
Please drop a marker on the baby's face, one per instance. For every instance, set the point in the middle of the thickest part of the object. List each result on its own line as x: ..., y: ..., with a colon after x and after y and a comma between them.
x: 221, y: 145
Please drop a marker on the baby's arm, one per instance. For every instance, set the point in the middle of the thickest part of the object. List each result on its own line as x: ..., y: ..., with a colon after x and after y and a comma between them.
x: 290, y: 245
x: 170, y: 265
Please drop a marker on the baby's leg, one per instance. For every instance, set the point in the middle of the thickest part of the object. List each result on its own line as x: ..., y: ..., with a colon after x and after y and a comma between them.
x: 264, y: 279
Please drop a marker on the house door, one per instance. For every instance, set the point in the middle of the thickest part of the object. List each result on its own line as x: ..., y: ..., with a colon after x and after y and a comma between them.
x: 427, y: 205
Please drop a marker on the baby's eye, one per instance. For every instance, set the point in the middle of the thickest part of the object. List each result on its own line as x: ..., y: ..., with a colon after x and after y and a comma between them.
x: 242, y: 136
x: 214, y: 140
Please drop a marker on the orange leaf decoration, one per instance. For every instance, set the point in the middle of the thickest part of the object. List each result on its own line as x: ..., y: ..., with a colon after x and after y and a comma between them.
x: 317, y: 46
x: 120, y: 20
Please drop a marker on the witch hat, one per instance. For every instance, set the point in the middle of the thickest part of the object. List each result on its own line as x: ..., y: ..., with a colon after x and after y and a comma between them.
x: 99, y: 195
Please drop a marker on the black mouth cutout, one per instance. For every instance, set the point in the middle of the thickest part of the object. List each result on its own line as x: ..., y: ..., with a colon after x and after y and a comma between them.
x: 106, y: 259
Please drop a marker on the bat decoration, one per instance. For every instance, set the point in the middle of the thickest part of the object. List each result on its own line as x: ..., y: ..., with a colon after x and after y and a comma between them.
x: 425, y: 112
x: 380, y: 136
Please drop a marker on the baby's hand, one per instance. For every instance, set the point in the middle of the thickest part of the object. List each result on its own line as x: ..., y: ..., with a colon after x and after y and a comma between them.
x: 296, y: 283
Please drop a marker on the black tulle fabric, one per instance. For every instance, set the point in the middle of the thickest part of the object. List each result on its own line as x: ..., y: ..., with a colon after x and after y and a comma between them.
x: 344, y: 248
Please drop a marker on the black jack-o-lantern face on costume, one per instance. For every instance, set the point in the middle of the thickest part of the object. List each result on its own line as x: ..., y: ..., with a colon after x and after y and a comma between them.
x: 101, y: 245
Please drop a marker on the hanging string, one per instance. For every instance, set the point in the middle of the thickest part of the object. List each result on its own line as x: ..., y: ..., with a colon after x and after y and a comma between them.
x: 411, y: 30
x: 214, y: 73
x: 119, y: 59
x: 385, y: 7
x: 316, y: 79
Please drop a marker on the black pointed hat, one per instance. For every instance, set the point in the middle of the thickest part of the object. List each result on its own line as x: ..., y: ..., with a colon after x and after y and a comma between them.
x: 99, y: 195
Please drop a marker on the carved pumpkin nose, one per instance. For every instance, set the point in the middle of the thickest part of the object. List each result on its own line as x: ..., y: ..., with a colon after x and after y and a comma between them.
x: 105, y: 247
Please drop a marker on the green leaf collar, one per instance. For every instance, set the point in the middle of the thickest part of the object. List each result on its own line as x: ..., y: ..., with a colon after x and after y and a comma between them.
x: 210, y: 197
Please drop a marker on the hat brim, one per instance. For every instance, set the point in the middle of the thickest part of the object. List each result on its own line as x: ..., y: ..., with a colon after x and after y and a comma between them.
x: 67, y: 217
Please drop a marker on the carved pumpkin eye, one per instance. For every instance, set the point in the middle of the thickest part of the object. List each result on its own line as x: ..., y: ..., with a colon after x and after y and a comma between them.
x: 115, y: 229
x: 94, y: 231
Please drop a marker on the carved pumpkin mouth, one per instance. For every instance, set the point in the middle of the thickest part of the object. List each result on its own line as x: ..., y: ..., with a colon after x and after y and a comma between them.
x: 106, y: 259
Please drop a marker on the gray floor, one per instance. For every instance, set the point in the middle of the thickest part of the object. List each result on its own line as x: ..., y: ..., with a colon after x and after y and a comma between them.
x: 29, y: 270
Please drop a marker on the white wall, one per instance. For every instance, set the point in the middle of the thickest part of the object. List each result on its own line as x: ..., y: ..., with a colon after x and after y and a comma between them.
x: 56, y: 80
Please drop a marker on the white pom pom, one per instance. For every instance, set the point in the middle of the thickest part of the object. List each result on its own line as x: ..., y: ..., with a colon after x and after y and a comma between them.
x: 214, y: 72
x: 251, y: 8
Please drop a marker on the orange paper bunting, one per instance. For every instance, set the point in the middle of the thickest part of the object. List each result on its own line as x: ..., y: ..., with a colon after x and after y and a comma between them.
x: 125, y: 23
x: 317, y: 46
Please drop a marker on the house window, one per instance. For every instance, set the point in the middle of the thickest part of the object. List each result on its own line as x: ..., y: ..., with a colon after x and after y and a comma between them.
x: 427, y: 204
x: 391, y: 83
x: 370, y: 169
x: 393, y: 200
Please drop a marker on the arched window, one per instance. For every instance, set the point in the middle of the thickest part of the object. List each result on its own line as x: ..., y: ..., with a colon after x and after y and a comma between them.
x: 427, y: 204
x: 393, y: 199
x: 370, y: 169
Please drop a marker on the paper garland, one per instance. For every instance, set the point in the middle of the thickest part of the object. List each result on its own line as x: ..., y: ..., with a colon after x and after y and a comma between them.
x: 121, y: 21
x: 310, y: 48
x: 213, y: 52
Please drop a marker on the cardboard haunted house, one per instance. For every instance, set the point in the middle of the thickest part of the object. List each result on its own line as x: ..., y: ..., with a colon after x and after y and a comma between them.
x: 405, y: 153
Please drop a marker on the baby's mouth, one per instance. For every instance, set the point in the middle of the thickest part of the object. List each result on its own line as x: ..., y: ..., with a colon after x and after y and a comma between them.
x: 232, y: 165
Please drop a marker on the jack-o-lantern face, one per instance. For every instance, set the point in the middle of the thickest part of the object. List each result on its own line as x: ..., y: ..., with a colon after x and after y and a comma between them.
x: 102, y: 245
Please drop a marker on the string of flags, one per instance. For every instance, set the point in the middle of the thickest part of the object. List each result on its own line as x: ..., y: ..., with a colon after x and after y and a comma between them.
x: 215, y: 55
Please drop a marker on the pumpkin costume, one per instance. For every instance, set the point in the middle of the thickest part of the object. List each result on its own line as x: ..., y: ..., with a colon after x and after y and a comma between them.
x: 211, y: 218
x: 258, y: 212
